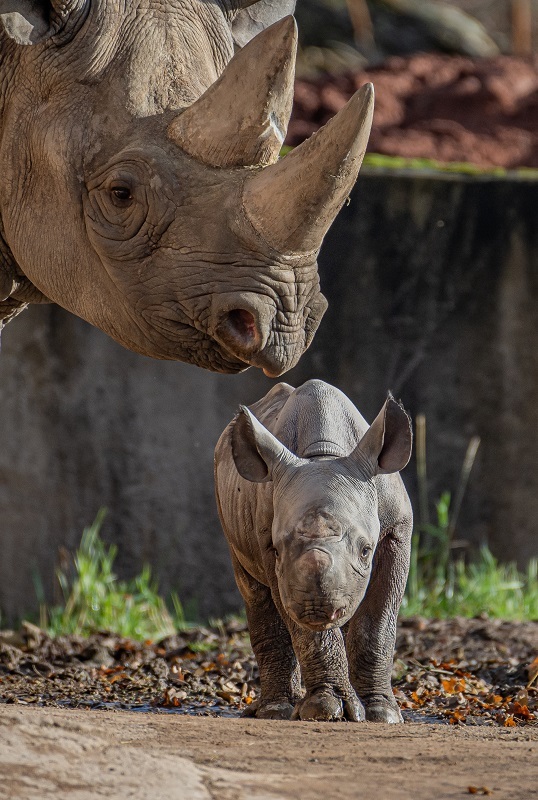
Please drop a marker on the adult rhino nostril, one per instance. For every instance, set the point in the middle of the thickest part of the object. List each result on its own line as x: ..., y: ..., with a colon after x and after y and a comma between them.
x: 243, y: 323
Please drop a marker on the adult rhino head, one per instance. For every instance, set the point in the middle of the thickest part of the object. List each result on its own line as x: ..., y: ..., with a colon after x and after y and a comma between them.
x: 141, y: 187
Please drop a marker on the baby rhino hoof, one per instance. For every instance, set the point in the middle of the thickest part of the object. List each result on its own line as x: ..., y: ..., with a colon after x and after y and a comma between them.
x: 275, y: 711
x: 270, y: 710
x: 325, y: 706
x: 383, y: 711
x: 322, y: 706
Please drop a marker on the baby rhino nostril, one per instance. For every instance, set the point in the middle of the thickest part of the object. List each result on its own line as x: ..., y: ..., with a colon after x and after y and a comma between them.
x: 244, y: 324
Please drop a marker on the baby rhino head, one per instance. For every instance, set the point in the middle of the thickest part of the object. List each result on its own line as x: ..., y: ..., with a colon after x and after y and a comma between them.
x: 325, y: 524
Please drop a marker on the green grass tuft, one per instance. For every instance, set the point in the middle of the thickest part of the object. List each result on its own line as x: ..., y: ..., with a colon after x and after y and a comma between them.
x: 442, y: 586
x: 442, y: 581
x: 95, y: 600
x: 378, y: 161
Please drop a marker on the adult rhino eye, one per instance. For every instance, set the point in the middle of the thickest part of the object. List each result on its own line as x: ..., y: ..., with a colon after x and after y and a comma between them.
x: 365, y: 552
x: 121, y: 192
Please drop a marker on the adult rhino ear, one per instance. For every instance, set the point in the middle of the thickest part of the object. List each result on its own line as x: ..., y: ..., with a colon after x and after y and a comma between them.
x: 256, y: 452
x: 387, y: 443
x: 34, y: 21
x: 253, y: 16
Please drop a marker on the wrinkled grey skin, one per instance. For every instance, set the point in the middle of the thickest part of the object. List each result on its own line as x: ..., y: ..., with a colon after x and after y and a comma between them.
x: 319, y: 527
x: 88, y: 89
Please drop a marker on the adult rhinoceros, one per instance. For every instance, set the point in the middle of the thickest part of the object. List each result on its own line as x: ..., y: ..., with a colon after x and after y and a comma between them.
x: 140, y: 186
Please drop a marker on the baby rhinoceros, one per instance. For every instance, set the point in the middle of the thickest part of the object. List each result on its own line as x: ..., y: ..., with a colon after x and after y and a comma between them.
x: 319, y: 527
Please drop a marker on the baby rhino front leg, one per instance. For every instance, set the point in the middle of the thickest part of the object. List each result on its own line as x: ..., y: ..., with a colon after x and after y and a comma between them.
x: 329, y: 693
x: 371, y: 635
x: 270, y: 640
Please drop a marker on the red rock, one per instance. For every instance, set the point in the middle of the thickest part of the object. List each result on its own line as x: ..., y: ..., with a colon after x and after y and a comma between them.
x: 447, y: 108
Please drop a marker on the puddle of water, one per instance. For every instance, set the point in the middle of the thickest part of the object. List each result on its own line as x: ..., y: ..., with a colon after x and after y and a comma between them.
x: 224, y: 711
x: 190, y: 710
x: 217, y: 710
x: 418, y: 716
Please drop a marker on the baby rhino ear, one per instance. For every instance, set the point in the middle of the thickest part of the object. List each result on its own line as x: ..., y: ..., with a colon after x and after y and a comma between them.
x: 388, y: 442
x: 256, y: 452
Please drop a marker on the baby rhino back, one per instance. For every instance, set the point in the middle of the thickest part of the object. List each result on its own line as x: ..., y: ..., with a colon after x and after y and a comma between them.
x: 315, y: 419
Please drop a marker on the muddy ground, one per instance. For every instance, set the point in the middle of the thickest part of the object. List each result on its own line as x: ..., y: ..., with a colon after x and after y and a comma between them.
x: 434, y: 106
x: 105, y: 716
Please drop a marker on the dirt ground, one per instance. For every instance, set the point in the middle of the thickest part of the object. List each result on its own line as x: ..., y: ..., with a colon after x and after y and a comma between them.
x: 103, y: 716
x: 434, y: 106
x: 81, y: 755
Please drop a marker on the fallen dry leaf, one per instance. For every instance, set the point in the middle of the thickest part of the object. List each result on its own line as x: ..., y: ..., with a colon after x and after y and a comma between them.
x: 532, y: 669
x: 459, y: 671
x: 453, y: 686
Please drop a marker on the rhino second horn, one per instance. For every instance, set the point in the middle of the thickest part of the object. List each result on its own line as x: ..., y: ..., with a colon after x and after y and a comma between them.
x: 293, y: 203
x: 241, y: 120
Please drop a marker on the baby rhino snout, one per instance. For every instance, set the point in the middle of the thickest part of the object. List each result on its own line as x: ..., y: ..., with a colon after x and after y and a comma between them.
x: 312, y: 603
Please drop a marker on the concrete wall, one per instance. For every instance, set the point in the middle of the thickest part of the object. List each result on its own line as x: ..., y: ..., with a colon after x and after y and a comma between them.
x: 433, y: 290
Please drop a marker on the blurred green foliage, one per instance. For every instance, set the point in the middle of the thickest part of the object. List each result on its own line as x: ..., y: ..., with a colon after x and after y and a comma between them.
x: 95, y: 600
x: 440, y: 585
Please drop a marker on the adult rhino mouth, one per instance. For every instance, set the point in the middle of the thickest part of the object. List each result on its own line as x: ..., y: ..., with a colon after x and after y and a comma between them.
x: 178, y: 340
x: 236, y: 334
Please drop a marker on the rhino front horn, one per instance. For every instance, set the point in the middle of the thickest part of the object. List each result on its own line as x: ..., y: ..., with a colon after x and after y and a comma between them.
x: 293, y: 203
x: 241, y: 120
